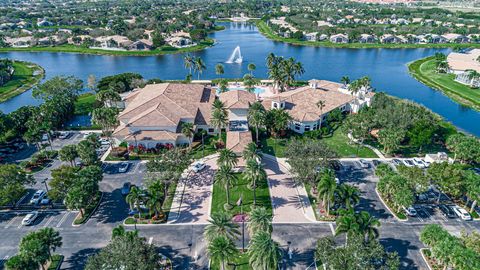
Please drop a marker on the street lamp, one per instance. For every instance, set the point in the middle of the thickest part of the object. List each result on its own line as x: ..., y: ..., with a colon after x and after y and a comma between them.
x: 45, y: 182
x: 240, y: 203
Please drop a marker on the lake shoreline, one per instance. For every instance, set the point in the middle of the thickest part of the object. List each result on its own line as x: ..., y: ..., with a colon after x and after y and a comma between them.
x: 24, y: 82
x: 266, y: 31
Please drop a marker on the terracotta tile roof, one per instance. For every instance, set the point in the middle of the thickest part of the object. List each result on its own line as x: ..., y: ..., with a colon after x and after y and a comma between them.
x: 464, y: 61
x: 238, y: 140
x: 154, y: 135
x: 301, y: 103
x: 237, y: 99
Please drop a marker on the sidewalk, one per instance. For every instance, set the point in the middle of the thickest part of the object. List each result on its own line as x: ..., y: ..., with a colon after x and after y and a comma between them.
x: 377, y: 152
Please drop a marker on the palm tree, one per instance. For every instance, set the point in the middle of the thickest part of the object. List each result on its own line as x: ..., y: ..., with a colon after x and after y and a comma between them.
x: 326, y: 189
x: 442, y: 67
x: 155, y: 199
x: 254, y: 172
x: 256, y: 116
x: 249, y: 83
x: 188, y: 131
x: 188, y: 63
x: 118, y: 231
x: 51, y: 239
x: 134, y: 198
x: 281, y: 118
x: 264, y: 252
x: 220, y: 224
x: 368, y: 225
x: 347, y: 224
x: 259, y: 221
x: 320, y: 104
x: 222, y: 86
x: 219, y: 117
x: 349, y: 195
x: 225, y: 177
x: 345, y: 80
x: 354, y: 87
x: 219, y: 69
x: 199, y: 66
x: 228, y: 158
x: 107, y: 97
x: 251, y: 67
x: 221, y: 249
x: 251, y: 152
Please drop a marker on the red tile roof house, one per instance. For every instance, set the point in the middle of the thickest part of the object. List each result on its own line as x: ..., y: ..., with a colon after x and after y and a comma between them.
x: 154, y: 114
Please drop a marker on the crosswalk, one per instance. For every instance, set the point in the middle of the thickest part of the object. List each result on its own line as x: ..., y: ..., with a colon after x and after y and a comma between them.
x: 57, y: 219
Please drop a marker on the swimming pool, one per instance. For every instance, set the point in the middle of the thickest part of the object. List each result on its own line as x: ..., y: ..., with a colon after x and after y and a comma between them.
x: 258, y: 90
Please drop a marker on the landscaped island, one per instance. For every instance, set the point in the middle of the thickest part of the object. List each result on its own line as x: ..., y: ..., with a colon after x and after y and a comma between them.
x: 425, y: 70
x: 21, y: 77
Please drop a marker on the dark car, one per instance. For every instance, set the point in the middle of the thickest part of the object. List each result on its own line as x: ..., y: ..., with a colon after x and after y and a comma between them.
x: 447, y: 211
x: 126, y: 188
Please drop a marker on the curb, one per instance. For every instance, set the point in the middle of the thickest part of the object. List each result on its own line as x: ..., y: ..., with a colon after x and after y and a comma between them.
x: 388, y: 208
x: 90, y: 215
x: 424, y: 258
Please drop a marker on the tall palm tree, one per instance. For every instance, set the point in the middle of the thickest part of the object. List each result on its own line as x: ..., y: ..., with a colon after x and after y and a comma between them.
x: 256, y: 116
x: 320, y: 104
x: 345, y: 80
x: 251, y: 152
x: 254, y: 172
x: 155, y: 199
x: 118, y: 231
x: 281, y: 118
x: 199, y: 66
x: 259, y: 221
x: 225, y: 177
x: 222, y: 250
x: 227, y: 157
x: 107, y: 97
x: 222, y: 86
x: 347, y: 223
x: 326, y: 189
x: 219, y: 117
x: 188, y: 62
x: 219, y: 69
x: 251, y: 67
x: 220, y: 224
x: 349, y: 195
x: 264, y: 252
x: 368, y: 225
x: 134, y: 199
x: 188, y: 130
x: 249, y: 83
x: 51, y: 239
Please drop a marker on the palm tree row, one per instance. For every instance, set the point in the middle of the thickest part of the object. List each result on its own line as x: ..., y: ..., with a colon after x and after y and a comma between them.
x: 194, y: 64
x: 283, y: 71
x: 359, y: 84
x: 257, y: 117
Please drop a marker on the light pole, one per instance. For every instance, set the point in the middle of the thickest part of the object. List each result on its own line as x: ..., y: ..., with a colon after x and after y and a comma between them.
x: 240, y: 203
x: 45, y: 182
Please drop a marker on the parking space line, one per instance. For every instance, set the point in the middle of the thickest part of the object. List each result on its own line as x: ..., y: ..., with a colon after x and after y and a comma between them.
x: 332, y: 229
x: 63, y: 219
x: 49, y: 221
x: 10, y: 222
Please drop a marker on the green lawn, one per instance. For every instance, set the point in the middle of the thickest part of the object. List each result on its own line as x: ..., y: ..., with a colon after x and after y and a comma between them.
x: 85, y: 104
x: 239, y: 189
x: 337, y: 141
x: 25, y: 76
x: 268, y: 32
x: 57, y: 259
x: 424, y: 70
x: 238, y: 263
x: 68, y: 48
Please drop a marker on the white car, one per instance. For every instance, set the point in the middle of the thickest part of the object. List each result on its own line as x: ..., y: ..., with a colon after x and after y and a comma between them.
x: 123, y: 167
x: 364, y: 164
x: 462, y: 213
x: 29, y: 218
x: 410, y: 211
x: 198, y: 166
x: 104, y: 142
x: 38, y: 196
x: 63, y: 135
x: 419, y: 163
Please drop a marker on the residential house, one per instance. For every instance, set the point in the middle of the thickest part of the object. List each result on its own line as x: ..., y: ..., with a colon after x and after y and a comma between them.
x: 462, y: 64
x: 153, y: 115
x: 366, y: 38
x: 180, y: 39
x: 19, y: 42
x: 433, y: 38
x: 456, y: 38
x: 310, y: 36
x: 389, y: 38
x: 141, y: 45
x: 113, y: 42
x: 339, y: 38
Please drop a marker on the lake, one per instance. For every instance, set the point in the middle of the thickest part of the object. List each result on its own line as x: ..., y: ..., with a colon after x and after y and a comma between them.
x: 386, y: 67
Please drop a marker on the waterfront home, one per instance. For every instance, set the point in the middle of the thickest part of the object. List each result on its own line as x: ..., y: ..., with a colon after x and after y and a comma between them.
x: 366, y: 38
x: 435, y: 39
x: 78, y: 40
x: 19, y: 42
x: 237, y: 102
x: 413, y: 39
x: 310, y: 36
x: 322, y: 37
x: 456, y: 38
x: 51, y: 41
x: 141, y: 45
x: 339, y: 38
x: 113, y: 42
x: 180, y: 39
x: 389, y: 38
x: 462, y: 64
x: 153, y: 115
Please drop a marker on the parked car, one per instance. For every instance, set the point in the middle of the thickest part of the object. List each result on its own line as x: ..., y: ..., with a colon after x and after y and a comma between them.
x: 408, y: 163
x: 45, y: 201
x: 462, y: 213
x: 364, y: 164
x: 446, y: 211
x: 397, y: 162
x: 419, y: 163
x: 198, y: 166
x: 126, y: 188
x: 123, y: 167
x: 38, y: 196
x: 376, y: 162
x: 30, y: 218
x: 410, y: 211
x: 64, y: 135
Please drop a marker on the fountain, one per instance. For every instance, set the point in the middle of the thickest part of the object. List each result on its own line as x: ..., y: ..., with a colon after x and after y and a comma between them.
x: 235, y: 57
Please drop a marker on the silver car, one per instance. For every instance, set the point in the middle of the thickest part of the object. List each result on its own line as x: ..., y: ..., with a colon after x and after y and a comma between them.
x: 30, y: 218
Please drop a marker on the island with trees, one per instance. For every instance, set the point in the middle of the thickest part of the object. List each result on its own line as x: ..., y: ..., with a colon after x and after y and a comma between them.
x: 17, y: 77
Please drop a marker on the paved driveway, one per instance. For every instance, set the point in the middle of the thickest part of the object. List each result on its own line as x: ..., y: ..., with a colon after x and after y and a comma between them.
x: 194, y: 196
x: 290, y: 201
